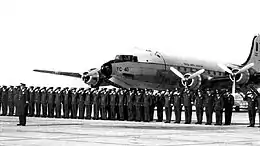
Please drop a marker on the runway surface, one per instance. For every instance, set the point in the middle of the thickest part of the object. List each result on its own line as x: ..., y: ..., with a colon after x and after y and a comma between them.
x: 73, y: 132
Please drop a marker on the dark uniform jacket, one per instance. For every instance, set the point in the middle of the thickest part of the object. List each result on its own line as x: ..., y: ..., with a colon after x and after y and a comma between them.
x: 88, y: 98
x: 219, y: 103
x: 21, y: 102
x: 186, y: 99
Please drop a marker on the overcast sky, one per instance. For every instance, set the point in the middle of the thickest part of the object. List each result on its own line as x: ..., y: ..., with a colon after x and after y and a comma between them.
x: 76, y: 35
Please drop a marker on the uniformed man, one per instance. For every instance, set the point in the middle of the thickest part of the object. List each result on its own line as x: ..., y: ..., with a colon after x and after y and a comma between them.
x: 81, y: 100
x: 168, y: 106
x: 159, y: 104
x: 177, y: 97
x: 50, y: 101
x: 57, y: 102
x: 66, y: 102
x: 125, y: 104
x: 22, y: 105
x: 218, y: 107
x: 130, y: 104
x: 208, y: 104
x: 74, y: 106
x: 44, y: 101
x: 251, y: 100
x: 138, y: 104
x: 96, y: 103
x: 152, y: 105
x: 11, y: 100
x: 37, y: 100
x: 108, y: 104
x: 31, y: 101
x: 88, y: 102
x: 187, y: 99
x: 258, y: 107
x: 113, y: 102
x: 121, y: 101
x: 103, y: 104
x: 199, y: 106
x: 147, y: 103
x: 4, y: 100
x: 228, y: 105
x: 16, y: 92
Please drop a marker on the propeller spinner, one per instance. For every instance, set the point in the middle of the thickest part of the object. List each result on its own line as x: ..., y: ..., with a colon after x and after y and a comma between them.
x: 185, y: 79
x: 234, y: 74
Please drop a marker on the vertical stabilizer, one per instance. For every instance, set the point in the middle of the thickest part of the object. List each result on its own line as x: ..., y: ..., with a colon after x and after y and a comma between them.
x: 254, y: 56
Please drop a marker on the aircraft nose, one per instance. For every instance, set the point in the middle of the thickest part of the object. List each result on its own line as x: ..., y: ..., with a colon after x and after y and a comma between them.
x: 106, y: 69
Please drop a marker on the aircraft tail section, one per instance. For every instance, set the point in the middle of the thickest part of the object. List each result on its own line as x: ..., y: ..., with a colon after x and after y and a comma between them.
x: 254, y: 56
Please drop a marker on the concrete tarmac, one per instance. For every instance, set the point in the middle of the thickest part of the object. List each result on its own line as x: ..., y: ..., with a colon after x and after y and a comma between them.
x: 73, y: 132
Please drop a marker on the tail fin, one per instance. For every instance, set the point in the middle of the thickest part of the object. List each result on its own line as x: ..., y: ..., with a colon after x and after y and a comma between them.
x: 254, y: 56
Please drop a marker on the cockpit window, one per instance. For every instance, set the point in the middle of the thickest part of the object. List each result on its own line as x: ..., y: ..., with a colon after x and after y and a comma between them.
x: 126, y: 58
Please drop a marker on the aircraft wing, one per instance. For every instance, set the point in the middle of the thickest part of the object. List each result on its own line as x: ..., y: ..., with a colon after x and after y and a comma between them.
x: 70, y: 74
x: 119, y: 82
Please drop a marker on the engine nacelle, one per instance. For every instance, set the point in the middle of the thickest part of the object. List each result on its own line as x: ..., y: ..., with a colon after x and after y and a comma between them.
x: 92, y: 77
x: 241, y: 78
x: 192, y: 84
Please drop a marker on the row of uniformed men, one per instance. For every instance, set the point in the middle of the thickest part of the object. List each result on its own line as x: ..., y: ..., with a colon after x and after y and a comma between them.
x: 122, y: 104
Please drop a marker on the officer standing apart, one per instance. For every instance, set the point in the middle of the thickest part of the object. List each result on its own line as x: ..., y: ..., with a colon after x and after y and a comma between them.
x: 251, y: 100
x: 228, y: 105
x: 22, y: 105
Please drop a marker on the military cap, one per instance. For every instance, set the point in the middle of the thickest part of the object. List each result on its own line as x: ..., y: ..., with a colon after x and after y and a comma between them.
x: 31, y: 86
x: 50, y: 88
x: 11, y: 86
x: 22, y: 84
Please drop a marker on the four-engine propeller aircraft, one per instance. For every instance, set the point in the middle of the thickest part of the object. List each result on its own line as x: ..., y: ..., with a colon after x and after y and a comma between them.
x: 154, y: 70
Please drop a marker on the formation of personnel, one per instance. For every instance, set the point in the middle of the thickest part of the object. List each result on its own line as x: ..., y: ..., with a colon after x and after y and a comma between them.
x: 125, y: 104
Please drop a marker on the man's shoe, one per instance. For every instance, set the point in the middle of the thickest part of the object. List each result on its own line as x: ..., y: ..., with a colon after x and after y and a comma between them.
x: 208, y: 124
x: 19, y: 124
x: 177, y: 122
x: 167, y: 122
x: 251, y: 126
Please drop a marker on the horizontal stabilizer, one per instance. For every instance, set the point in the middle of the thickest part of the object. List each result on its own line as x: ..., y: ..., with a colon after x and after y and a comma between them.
x: 71, y: 74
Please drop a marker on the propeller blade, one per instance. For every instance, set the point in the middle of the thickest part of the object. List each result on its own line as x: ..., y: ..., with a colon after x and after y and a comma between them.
x: 175, y: 71
x: 234, y: 87
x: 196, y: 74
x: 222, y: 66
x: 245, y: 68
